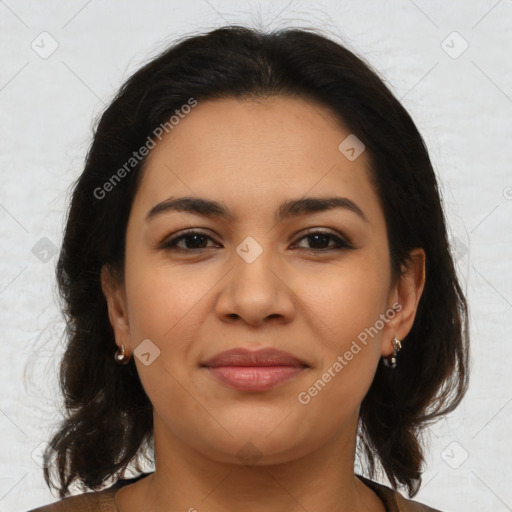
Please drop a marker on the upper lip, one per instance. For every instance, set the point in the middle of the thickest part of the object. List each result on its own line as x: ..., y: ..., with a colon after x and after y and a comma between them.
x: 262, y: 357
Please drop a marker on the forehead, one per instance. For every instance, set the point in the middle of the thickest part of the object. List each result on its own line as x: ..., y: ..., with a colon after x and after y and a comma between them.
x: 243, y: 151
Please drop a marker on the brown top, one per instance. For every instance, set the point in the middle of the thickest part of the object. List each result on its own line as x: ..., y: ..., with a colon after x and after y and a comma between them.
x: 103, y: 501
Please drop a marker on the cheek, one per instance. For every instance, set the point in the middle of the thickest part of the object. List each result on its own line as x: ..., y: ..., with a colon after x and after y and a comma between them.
x: 165, y: 307
x: 164, y: 300
x: 347, y: 310
x: 347, y: 306
x: 345, y: 300
x: 168, y: 305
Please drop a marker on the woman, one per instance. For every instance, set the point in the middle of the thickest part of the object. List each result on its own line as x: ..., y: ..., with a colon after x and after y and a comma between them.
x: 258, y: 228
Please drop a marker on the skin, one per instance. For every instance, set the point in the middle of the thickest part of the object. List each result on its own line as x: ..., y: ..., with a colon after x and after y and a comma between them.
x: 252, y: 155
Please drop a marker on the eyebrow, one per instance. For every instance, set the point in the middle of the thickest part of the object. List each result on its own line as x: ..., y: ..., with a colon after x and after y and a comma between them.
x: 288, y: 209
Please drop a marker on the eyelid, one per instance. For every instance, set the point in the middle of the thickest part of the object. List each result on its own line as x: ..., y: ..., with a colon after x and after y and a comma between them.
x: 175, y: 237
x: 324, y: 231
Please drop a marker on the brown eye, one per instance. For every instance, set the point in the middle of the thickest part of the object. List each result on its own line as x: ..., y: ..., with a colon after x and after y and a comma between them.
x: 320, y: 241
x: 194, y: 240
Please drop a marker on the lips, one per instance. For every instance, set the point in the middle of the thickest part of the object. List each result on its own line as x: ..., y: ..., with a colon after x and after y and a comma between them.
x: 247, y: 370
x: 262, y: 357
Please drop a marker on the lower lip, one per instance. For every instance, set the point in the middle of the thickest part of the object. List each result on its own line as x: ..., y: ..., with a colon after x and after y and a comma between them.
x: 255, y: 378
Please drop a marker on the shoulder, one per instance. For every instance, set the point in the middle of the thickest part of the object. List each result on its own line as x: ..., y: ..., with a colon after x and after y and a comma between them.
x: 100, y: 501
x: 406, y: 505
x: 394, y: 501
x: 97, y: 501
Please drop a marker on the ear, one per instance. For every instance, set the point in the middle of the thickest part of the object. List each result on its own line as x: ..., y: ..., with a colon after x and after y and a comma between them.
x: 407, y: 293
x: 114, y: 292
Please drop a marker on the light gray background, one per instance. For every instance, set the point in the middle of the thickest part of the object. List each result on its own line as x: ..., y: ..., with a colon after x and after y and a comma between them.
x: 462, y: 104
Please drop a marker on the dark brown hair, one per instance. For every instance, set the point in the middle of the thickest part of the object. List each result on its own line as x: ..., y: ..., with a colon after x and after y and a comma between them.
x: 108, y: 424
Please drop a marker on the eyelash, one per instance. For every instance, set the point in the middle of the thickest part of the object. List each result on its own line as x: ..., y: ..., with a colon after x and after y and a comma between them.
x: 341, y: 244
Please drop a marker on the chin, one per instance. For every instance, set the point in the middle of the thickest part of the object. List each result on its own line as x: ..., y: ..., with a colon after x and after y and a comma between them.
x: 247, y: 451
x: 257, y: 440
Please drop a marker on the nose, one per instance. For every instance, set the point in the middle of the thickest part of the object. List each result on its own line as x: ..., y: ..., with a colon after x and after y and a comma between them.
x: 257, y: 290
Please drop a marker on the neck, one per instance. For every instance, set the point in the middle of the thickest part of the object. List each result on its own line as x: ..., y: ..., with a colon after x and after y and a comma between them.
x: 320, y: 481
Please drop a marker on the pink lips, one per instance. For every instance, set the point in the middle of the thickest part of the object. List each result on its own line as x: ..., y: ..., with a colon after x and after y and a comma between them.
x: 247, y: 370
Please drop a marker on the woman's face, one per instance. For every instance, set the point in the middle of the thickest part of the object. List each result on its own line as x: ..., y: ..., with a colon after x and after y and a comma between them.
x: 256, y: 279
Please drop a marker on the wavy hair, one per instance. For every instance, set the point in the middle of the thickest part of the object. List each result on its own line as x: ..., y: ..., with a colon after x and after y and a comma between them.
x: 108, y: 421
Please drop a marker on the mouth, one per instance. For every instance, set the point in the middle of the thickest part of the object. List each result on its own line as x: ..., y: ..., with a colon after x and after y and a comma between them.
x: 254, y: 371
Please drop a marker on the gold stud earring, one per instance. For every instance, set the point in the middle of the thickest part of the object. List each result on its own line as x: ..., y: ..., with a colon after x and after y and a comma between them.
x: 390, y: 361
x: 120, y: 357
